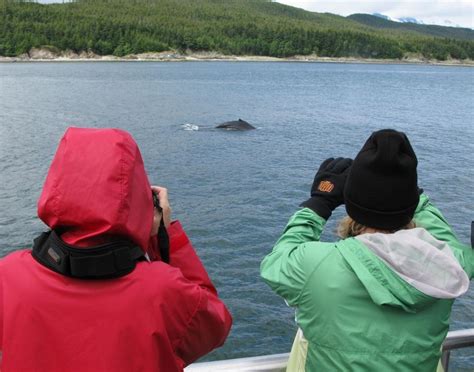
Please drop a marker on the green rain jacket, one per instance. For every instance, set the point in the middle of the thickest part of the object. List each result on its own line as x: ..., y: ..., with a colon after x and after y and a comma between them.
x: 377, y: 302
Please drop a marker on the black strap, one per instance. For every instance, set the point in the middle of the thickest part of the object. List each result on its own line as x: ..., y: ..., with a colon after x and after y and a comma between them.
x: 163, y: 238
x: 110, y: 260
x: 164, y: 242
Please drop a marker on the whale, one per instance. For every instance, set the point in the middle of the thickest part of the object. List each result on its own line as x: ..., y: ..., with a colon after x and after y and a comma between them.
x: 236, y: 125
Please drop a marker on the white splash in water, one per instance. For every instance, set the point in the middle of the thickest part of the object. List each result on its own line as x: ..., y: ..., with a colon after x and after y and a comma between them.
x: 188, y: 126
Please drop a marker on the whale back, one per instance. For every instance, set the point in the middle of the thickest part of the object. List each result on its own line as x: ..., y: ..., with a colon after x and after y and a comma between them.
x: 236, y: 125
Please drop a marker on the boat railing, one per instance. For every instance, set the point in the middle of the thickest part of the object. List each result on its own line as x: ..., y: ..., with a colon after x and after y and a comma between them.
x: 277, y: 362
x: 456, y: 340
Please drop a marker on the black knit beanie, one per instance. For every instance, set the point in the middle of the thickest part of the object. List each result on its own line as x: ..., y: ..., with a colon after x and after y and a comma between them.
x: 381, y: 190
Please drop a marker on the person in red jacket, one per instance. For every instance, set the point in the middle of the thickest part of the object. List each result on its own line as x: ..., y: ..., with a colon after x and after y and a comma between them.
x: 99, y: 292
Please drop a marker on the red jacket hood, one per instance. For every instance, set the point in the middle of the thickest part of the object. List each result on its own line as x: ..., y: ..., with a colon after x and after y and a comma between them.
x: 97, y: 189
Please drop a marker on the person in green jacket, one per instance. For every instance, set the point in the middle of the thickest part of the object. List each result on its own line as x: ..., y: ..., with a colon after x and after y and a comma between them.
x: 379, y: 299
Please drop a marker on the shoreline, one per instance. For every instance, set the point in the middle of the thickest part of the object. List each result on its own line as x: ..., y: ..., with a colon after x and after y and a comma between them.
x: 45, y: 55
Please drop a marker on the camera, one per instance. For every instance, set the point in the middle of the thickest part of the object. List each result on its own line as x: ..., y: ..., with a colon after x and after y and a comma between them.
x: 156, y: 202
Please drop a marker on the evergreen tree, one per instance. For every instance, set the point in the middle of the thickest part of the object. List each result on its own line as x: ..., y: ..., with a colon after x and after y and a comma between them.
x: 253, y: 27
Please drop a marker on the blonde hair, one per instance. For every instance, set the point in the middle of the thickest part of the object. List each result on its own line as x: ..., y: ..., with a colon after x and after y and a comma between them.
x: 348, y: 228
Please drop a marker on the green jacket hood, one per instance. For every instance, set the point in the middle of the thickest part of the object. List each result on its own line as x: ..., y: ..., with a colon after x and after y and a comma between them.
x: 408, y: 269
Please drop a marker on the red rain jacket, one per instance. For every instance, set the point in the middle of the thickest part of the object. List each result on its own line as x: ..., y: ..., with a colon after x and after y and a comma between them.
x: 159, y: 317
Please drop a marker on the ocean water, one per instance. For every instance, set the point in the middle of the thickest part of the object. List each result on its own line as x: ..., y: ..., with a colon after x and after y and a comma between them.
x: 234, y: 191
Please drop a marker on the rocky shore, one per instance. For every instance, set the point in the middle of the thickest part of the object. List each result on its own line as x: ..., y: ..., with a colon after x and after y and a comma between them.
x: 54, y: 55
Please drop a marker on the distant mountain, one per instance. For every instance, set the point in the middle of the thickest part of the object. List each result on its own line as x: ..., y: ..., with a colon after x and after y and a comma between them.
x: 409, y: 27
x: 446, y: 22
x: 410, y: 20
x: 402, y: 20
x: 383, y: 16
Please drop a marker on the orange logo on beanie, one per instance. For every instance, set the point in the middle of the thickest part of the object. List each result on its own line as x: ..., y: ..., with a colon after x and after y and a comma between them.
x: 325, y: 186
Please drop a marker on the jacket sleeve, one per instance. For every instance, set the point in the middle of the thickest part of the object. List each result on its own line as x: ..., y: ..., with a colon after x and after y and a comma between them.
x: 210, y: 323
x: 430, y: 218
x: 287, y: 267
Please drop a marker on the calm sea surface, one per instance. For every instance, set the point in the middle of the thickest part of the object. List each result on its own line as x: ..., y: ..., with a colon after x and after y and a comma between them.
x: 234, y: 191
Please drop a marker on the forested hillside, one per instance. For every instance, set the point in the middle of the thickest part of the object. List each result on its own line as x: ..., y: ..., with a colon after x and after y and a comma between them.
x: 233, y: 27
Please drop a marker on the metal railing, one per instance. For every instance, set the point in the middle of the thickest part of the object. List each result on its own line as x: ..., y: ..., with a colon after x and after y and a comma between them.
x: 277, y: 362
x: 456, y: 340
x: 265, y: 363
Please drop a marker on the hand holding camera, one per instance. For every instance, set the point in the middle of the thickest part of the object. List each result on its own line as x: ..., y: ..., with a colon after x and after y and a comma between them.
x: 161, y: 221
x: 162, y: 205
x: 328, y: 186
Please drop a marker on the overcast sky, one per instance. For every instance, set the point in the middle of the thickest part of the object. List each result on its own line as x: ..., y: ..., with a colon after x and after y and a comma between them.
x: 441, y: 12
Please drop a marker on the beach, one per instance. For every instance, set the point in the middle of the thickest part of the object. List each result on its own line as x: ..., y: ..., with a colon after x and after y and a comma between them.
x: 48, y: 55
